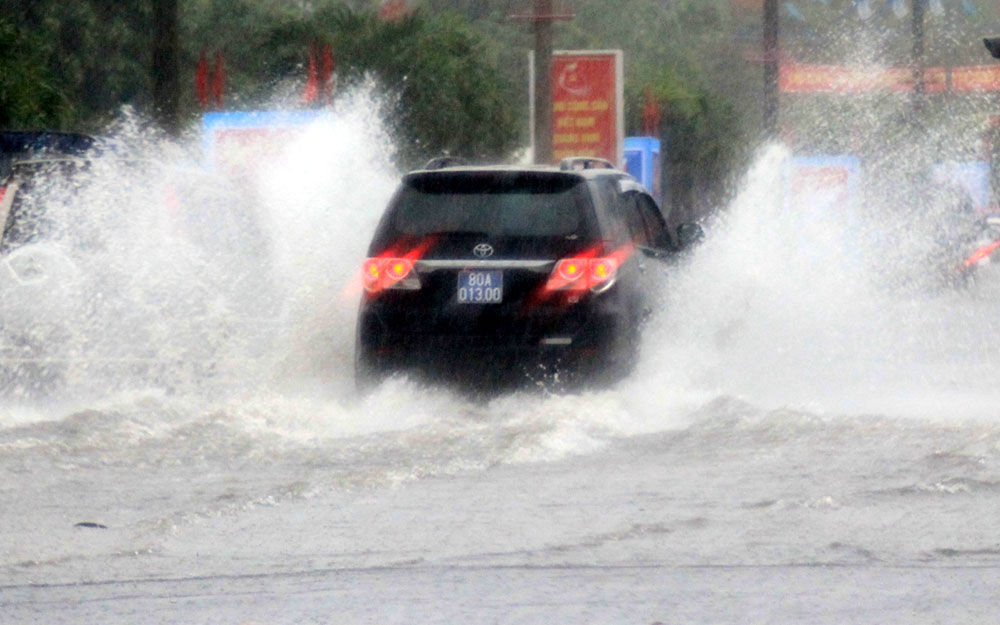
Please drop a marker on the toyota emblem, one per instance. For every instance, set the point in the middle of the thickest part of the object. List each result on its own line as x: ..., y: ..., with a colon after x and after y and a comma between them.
x: 483, y: 250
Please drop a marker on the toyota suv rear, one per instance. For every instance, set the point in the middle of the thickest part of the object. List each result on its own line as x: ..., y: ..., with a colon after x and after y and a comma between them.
x: 496, y: 274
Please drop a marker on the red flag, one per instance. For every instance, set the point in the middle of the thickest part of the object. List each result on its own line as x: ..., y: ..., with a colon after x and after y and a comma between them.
x: 219, y: 80
x: 325, y: 73
x: 201, y: 81
x: 311, y: 91
x: 650, y: 114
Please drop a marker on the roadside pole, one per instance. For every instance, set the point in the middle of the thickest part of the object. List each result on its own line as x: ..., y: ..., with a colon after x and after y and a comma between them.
x: 165, y: 66
x: 993, y: 46
x: 771, y: 68
x: 919, y: 58
x: 542, y: 17
x: 543, y: 81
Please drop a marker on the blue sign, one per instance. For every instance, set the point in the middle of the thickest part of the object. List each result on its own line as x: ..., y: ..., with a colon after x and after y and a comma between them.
x: 642, y: 160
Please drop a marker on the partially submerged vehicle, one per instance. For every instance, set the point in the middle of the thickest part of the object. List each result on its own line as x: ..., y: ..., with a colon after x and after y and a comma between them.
x: 494, y: 275
x: 20, y: 145
x: 121, y: 269
x: 981, y: 253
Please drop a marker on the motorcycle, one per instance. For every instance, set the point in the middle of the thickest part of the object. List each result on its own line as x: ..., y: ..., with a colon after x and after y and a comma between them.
x: 982, y: 249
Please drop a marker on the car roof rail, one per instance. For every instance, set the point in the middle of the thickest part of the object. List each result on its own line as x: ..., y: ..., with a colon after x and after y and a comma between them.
x: 442, y: 162
x: 585, y: 162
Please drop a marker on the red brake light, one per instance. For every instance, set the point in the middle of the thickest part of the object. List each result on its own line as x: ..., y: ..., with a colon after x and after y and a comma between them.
x: 397, y: 268
x: 370, y: 273
x: 572, y: 269
x: 602, y: 270
x: 379, y: 274
x: 581, y: 274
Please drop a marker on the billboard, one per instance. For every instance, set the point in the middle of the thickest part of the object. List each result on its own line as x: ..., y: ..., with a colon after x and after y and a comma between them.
x: 823, y: 183
x: 238, y: 143
x: 588, y: 104
x: 821, y: 200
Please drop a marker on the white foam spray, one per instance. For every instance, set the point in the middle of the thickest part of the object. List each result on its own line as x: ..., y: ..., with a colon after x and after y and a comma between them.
x: 786, y: 309
x: 772, y: 308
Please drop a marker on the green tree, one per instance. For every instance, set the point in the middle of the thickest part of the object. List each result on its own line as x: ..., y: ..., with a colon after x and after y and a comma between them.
x: 703, y: 140
x: 687, y: 51
x: 96, y: 52
x: 261, y: 43
x: 29, y: 95
x: 444, y: 95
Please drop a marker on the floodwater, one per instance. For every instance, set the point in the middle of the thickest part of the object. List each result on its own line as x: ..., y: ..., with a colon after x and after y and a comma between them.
x: 804, y: 441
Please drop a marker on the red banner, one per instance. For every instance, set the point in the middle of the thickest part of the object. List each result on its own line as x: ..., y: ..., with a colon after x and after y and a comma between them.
x: 803, y: 78
x: 981, y: 78
x: 587, y: 115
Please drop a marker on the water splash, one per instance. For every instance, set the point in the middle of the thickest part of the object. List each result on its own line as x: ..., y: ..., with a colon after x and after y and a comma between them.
x: 782, y: 309
x: 155, y: 271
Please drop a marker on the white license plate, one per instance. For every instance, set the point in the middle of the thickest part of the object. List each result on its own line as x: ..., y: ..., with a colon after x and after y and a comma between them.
x: 480, y: 287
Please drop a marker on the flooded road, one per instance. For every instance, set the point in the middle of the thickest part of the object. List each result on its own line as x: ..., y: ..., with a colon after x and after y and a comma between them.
x: 801, y: 443
x: 531, y: 511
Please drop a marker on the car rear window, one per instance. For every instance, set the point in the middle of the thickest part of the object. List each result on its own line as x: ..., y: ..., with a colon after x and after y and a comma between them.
x: 37, y: 186
x: 521, y: 204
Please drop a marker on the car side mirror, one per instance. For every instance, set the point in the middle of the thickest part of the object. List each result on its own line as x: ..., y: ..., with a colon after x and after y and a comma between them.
x: 993, y: 45
x: 689, y: 234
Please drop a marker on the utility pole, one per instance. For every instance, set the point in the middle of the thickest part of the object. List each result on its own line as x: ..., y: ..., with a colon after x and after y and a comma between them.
x: 993, y: 46
x: 166, y: 69
x: 543, y: 81
x: 919, y: 60
x: 542, y: 18
x: 771, y: 66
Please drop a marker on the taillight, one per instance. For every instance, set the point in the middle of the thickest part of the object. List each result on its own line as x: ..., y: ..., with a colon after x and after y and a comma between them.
x: 582, y: 274
x: 572, y: 269
x: 982, y: 253
x: 3, y: 192
x: 602, y: 270
x: 379, y: 274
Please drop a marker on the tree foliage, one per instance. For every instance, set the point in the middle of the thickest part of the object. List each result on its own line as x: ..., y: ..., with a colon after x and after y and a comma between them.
x: 456, y: 71
x: 75, y: 64
x: 683, y: 50
x: 96, y: 52
x: 702, y: 138
x: 449, y: 97
x: 29, y: 96
x: 444, y: 95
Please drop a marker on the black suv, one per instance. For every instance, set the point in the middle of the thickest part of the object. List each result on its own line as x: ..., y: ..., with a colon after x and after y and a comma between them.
x: 495, y: 274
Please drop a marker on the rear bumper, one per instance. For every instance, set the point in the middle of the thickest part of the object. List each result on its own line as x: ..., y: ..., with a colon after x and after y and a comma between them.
x: 388, y: 324
x: 578, y: 340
